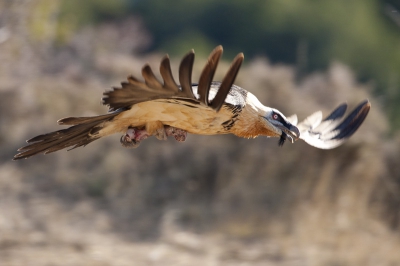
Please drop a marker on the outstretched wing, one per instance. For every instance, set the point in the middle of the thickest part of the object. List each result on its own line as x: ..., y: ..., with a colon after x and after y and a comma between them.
x: 84, y: 130
x: 333, y: 130
x: 135, y: 91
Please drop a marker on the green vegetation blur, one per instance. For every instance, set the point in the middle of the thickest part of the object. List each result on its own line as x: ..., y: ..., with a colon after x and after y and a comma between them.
x: 364, y: 34
x: 213, y: 200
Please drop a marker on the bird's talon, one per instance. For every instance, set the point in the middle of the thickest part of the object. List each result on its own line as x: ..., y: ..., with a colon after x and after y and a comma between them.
x: 179, y: 134
x: 133, y: 137
x: 127, y: 142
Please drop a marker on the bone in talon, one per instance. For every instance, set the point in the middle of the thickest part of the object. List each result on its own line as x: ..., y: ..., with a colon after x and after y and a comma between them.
x: 130, y: 133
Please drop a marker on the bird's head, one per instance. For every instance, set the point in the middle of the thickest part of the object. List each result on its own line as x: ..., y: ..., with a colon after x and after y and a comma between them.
x: 279, y: 124
x: 259, y: 120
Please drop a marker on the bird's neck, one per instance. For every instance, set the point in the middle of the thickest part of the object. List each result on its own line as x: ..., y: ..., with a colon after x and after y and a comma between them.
x: 250, y: 123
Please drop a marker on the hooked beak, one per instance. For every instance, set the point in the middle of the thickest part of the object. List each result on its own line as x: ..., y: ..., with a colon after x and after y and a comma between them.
x: 290, y: 131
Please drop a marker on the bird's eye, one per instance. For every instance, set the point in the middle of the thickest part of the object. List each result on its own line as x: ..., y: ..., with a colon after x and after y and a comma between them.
x: 275, y: 116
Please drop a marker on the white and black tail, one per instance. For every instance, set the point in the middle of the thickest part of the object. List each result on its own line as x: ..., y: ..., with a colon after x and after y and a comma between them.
x: 83, y: 131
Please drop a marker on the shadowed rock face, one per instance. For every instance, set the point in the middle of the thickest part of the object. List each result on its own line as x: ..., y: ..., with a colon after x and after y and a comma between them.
x: 217, y: 199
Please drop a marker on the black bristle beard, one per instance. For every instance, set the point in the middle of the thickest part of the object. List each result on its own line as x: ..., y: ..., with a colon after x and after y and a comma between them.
x: 282, y: 139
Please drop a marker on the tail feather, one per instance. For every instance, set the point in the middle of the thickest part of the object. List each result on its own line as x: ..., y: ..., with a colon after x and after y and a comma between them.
x: 84, y: 131
x: 83, y: 120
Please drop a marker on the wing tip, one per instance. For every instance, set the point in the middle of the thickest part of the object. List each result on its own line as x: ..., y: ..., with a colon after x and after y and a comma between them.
x: 342, y: 132
x: 353, y: 121
x: 191, y: 53
x: 367, y: 103
x: 219, y: 48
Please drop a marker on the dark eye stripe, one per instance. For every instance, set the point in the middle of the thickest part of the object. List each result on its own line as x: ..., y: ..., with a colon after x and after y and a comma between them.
x: 279, y: 118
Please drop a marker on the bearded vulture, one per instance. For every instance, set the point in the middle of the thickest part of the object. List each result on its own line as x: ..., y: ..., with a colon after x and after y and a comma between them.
x: 163, y: 108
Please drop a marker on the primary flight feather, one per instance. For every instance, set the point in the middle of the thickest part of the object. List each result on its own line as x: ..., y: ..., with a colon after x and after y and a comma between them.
x: 163, y: 108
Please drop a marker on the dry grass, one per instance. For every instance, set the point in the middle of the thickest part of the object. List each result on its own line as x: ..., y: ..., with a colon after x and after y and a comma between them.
x: 216, y: 200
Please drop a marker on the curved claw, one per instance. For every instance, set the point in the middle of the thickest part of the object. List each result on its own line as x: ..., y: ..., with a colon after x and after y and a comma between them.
x: 127, y: 142
x: 133, y: 137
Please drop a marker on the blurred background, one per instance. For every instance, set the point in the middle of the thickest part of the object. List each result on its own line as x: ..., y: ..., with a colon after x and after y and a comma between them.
x: 213, y: 200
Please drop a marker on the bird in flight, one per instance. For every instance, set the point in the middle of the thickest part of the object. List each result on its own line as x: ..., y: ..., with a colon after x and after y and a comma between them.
x: 140, y: 109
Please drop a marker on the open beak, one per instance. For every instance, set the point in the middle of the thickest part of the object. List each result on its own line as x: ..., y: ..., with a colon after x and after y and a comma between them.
x: 291, y: 131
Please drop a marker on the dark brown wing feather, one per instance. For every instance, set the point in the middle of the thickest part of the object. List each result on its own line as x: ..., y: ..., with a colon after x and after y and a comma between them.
x: 227, y: 82
x: 166, y: 74
x: 185, y: 74
x: 135, y: 91
x: 207, y: 75
x: 84, y: 130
